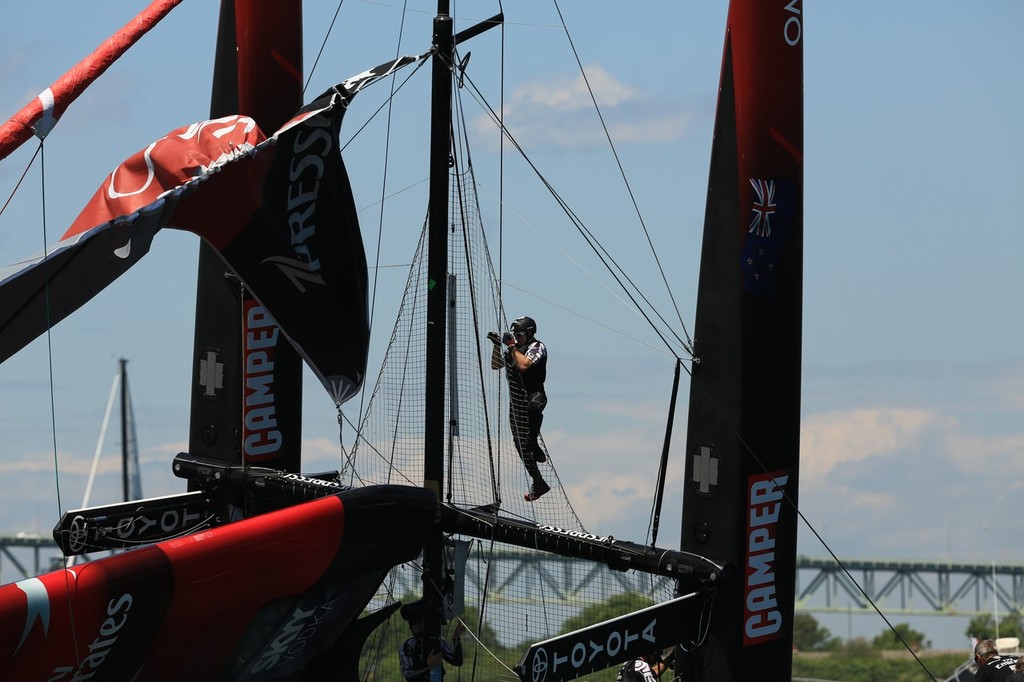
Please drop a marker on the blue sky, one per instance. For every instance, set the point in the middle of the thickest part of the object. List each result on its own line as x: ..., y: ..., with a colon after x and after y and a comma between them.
x: 913, y: 406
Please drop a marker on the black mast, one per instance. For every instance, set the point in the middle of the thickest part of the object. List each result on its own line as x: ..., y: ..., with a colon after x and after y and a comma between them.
x: 440, y: 162
x: 247, y: 400
x: 437, y: 274
x: 743, y: 434
x: 125, y: 444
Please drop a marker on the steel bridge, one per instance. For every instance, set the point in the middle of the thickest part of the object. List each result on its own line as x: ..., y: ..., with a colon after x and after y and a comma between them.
x: 952, y: 588
x: 940, y: 588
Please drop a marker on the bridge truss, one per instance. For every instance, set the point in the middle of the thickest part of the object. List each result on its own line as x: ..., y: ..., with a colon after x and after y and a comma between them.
x: 896, y: 587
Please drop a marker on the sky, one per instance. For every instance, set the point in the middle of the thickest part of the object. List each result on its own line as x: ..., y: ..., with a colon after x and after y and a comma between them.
x: 912, y: 430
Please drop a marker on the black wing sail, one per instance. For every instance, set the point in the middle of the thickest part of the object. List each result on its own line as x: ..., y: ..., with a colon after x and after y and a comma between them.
x: 743, y: 435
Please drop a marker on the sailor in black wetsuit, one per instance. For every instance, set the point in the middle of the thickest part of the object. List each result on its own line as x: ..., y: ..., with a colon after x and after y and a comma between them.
x: 525, y: 361
x: 421, y: 663
x: 991, y: 666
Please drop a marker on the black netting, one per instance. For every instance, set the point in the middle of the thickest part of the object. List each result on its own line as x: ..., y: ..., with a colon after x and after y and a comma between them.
x: 514, y: 596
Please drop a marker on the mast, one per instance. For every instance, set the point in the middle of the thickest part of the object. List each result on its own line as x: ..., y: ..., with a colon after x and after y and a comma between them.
x: 247, y: 379
x: 437, y: 276
x: 126, y: 442
x: 131, y: 476
x: 743, y: 436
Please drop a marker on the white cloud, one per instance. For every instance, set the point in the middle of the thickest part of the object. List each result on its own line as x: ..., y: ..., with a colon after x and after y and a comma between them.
x: 559, y: 112
x: 564, y: 94
x: 1000, y: 453
x: 600, y: 499
x: 923, y: 481
x: 610, y: 475
x: 834, y: 438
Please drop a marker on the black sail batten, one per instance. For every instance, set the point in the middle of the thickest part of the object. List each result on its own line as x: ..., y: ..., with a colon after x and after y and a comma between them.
x: 742, y: 453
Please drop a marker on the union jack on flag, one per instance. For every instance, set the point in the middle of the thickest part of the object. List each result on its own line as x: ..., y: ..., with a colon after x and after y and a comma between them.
x: 763, y: 208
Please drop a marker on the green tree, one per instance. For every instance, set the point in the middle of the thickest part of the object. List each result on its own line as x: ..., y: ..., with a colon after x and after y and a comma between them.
x: 616, y: 606
x: 809, y: 635
x: 891, y: 639
x: 983, y: 627
x: 856, y: 648
x: 874, y: 668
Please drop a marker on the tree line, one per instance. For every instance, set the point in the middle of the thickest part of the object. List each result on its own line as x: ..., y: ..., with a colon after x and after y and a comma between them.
x: 820, y: 655
x: 810, y: 635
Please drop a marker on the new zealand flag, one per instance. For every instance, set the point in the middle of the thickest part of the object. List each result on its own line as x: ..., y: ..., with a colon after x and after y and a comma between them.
x: 772, y: 214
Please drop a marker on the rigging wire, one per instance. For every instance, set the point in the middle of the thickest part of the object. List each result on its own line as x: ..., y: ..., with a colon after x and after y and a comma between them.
x: 590, y: 274
x: 494, y: 446
x: 594, y: 321
x: 611, y: 265
x: 53, y: 409
x: 28, y: 167
x: 481, y: 645
x: 323, y: 46
x: 594, y: 243
x: 421, y: 60
x: 622, y: 171
x: 384, y: 184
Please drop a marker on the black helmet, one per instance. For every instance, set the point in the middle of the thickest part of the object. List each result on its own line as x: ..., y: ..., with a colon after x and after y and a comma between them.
x: 523, y: 324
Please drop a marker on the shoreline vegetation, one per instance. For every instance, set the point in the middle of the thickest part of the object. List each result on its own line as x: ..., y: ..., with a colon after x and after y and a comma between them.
x: 868, y: 665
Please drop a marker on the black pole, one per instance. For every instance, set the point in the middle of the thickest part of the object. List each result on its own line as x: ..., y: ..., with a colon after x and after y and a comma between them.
x: 124, y: 429
x: 437, y: 272
x: 663, y: 468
